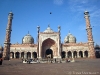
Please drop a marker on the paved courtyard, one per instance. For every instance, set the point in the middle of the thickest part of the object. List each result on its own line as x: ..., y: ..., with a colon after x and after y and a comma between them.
x: 80, y: 67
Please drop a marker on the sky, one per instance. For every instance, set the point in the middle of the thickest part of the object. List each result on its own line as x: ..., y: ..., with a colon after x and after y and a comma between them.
x: 69, y: 14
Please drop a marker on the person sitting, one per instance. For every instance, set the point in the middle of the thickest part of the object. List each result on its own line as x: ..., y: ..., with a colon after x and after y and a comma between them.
x: 68, y: 60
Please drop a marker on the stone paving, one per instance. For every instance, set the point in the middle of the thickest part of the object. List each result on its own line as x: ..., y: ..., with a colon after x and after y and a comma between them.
x: 80, y: 67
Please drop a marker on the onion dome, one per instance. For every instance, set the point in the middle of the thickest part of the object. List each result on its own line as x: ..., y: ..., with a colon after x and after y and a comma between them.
x: 48, y: 30
x: 28, y: 39
x: 70, y: 38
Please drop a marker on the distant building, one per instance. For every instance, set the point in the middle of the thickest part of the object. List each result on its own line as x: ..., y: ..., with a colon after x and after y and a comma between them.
x: 49, y: 43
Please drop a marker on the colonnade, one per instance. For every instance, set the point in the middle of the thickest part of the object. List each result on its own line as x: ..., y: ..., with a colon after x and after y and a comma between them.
x: 75, y: 54
x: 23, y: 55
x: 67, y: 54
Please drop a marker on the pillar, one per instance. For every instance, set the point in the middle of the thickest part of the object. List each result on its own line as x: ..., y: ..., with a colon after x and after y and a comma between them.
x: 59, y: 43
x: 77, y: 54
x: 14, y: 54
x: 72, y: 54
x: 31, y: 55
x: 25, y: 55
x: 66, y: 55
x: 19, y: 54
x: 83, y: 55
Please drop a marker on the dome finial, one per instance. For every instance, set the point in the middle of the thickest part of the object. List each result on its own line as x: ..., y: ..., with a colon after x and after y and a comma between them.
x: 69, y: 31
x: 48, y: 25
x: 28, y: 32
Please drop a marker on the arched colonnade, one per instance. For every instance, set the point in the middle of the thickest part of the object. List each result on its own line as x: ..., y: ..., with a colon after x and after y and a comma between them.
x: 23, y: 55
x: 74, y: 54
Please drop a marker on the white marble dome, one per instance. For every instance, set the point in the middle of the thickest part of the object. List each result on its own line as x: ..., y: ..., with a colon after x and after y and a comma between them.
x: 48, y: 30
x: 70, y: 38
x: 28, y: 39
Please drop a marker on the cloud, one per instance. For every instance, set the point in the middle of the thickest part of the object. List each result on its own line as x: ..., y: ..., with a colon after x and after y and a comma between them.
x: 58, y: 2
x: 96, y: 13
x: 95, y: 17
x: 78, y: 5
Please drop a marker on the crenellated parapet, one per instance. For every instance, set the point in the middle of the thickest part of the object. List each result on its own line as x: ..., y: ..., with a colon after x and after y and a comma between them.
x: 23, y: 45
x: 75, y: 44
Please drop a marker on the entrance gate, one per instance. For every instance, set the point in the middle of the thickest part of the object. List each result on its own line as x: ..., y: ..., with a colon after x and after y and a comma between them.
x: 49, y: 53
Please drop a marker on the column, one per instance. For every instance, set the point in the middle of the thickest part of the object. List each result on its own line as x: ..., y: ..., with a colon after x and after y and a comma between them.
x: 83, y: 54
x: 77, y: 54
x: 31, y: 55
x: 14, y: 54
x: 19, y: 54
x: 59, y: 55
x: 58, y: 47
x: 10, y: 55
x: 25, y: 55
x: 72, y: 54
x: 66, y: 55
x: 39, y: 50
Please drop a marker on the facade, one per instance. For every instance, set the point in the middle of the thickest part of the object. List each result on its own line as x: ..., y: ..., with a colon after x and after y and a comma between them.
x: 49, y: 44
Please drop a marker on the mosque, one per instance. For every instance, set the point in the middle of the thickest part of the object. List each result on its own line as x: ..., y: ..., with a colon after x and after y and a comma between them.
x: 49, y: 44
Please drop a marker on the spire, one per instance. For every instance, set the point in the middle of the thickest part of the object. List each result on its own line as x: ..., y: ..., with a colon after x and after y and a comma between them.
x: 38, y: 28
x: 28, y: 32
x: 48, y: 25
x: 69, y: 31
x: 59, y: 28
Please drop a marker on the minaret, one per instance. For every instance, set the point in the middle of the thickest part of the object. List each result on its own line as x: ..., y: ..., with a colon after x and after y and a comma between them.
x: 89, y: 35
x: 6, y: 52
x: 38, y: 30
x: 59, y: 29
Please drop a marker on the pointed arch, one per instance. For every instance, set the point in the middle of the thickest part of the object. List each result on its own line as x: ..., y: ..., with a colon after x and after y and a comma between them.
x: 86, y: 53
x: 17, y: 54
x: 47, y: 44
x: 69, y: 54
x: 34, y: 55
x: 11, y: 55
x: 22, y: 54
x: 81, y: 54
x: 75, y: 54
x: 28, y: 55
x: 63, y: 54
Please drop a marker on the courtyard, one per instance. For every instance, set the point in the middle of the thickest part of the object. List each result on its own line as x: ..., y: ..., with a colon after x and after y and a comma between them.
x: 79, y: 67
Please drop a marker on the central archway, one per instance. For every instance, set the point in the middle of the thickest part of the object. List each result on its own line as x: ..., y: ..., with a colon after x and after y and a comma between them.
x: 49, y: 53
x: 48, y: 47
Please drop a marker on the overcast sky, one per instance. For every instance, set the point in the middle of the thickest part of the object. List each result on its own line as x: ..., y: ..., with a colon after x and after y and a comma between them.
x: 69, y: 14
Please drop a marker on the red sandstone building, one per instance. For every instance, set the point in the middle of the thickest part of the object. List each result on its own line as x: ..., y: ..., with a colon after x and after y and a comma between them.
x: 49, y: 43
